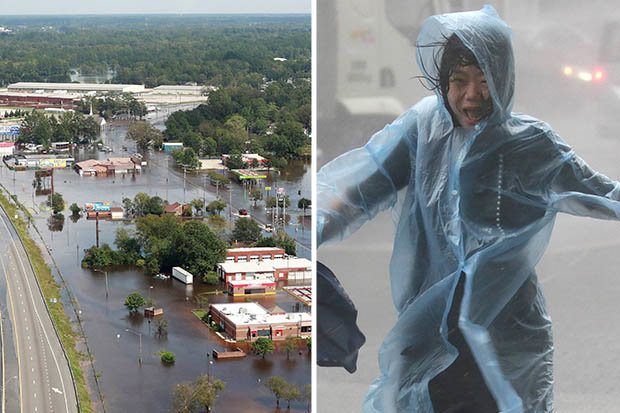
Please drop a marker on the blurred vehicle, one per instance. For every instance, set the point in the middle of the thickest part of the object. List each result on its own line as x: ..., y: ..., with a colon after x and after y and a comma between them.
x: 243, y: 212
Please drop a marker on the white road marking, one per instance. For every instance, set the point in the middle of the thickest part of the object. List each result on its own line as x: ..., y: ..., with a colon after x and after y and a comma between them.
x: 56, y: 390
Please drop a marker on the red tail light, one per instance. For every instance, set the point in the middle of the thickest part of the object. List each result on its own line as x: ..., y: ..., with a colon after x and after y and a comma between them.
x: 598, y: 75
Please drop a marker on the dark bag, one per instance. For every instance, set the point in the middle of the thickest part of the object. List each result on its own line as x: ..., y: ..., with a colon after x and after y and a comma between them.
x: 338, y: 338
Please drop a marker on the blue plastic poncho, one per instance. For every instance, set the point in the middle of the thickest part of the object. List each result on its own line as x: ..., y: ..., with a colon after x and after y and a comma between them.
x: 478, y: 203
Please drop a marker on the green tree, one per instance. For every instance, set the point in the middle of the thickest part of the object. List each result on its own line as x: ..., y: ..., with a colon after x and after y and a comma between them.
x: 304, y: 203
x: 155, y: 206
x: 56, y: 202
x: 36, y: 128
x: 145, y: 135
x: 161, y: 325
x: 218, y: 224
x: 306, y: 396
x: 234, y: 161
x: 75, y: 209
x: 201, y: 300
x: 270, y: 202
x: 263, y: 346
x: 246, y: 230
x: 201, y: 393
x: 211, y: 278
x: 256, y: 195
x: 134, y: 301
x: 183, y: 399
x: 198, y: 204
x: 277, y: 385
x: 290, y: 346
x: 216, y: 206
x: 206, y: 390
x: 291, y: 392
x: 186, y: 158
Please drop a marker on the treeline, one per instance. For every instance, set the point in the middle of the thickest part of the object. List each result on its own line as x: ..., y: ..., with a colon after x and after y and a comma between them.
x: 155, y: 50
x: 270, y: 122
x: 41, y: 129
x: 160, y: 243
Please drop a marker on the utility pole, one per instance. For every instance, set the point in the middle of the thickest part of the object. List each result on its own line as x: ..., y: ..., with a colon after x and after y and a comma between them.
x: 140, y: 345
x: 184, y: 171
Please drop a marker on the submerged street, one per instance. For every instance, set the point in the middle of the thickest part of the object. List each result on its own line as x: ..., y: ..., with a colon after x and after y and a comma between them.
x: 125, y: 384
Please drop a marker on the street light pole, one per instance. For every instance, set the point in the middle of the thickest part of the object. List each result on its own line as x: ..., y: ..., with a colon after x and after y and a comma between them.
x: 140, y: 345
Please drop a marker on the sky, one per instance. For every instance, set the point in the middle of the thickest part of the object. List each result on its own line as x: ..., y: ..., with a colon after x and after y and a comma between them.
x: 154, y: 6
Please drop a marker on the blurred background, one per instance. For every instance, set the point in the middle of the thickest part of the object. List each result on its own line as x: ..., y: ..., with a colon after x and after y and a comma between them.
x: 568, y: 74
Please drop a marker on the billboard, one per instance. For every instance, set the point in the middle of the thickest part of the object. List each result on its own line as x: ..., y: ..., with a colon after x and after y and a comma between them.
x: 53, y: 163
x: 97, y: 206
x: 9, y: 129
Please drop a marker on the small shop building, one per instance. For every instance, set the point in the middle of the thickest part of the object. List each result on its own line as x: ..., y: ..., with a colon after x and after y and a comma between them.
x: 251, y: 287
x: 249, y: 321
x: 254, y: 254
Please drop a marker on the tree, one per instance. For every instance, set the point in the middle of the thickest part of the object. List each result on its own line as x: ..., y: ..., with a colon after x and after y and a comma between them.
x: 256, y: 195
x: 283, y: 240
x: 290, y: 345
x: 304, y: 203
x: 263, y: 346
x: 276, y: 385
x: 162, y: 326
x: 201, y: 393
x: 206, y: 390
x: 155, y: 206
x: 246, y: 230
x: 134, y: 301
x: 201, y: 300
x: 306, y: 396
x: 75, y: 209
x: 270, y: 202
x: 216, y: 206
x: 198, y: 204
x: 211, y: 278
x: 234, y: 161
x: 218, y: 224
x: 145, y: 134
x: 186, y: 158
x: 183, y: 400
x: 56, y: 202
x: 291, y: 392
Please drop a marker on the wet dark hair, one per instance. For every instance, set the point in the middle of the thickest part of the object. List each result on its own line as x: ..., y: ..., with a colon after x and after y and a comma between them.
x: 455, y: 54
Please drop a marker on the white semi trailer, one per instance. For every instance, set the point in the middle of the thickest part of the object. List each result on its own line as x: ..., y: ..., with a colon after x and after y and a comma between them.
x: 182, y: 275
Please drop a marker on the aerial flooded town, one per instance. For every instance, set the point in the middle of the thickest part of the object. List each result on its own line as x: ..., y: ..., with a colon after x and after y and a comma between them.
x: 158, y: 248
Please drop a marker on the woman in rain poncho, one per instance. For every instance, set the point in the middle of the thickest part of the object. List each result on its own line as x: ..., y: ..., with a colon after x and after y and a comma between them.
x: 480, y: 189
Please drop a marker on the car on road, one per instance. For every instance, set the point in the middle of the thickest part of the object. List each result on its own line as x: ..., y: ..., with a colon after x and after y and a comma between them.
x: 243, y: 212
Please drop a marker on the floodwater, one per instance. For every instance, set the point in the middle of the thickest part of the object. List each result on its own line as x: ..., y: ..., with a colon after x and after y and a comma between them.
x: 126, y: 385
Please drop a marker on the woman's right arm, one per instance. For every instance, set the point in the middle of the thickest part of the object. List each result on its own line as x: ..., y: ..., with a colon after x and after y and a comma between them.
x: 354, y: 187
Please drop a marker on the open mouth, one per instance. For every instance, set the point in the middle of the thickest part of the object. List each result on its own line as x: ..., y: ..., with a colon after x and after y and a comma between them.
x: 474, y: 114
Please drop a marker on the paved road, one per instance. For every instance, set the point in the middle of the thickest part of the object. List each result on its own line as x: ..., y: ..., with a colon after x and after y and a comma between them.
x: 45, y: 382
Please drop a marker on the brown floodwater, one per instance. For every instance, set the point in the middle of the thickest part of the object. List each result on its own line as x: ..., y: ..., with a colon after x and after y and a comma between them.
x: 126, y: 385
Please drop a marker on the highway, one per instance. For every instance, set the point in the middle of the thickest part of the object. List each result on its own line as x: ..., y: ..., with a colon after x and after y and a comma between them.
x: 43, y: 375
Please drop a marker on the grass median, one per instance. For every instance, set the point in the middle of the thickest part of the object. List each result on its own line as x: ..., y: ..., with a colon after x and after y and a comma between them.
x: 50, y: 289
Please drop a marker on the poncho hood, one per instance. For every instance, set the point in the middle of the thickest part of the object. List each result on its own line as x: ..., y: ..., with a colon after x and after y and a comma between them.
x: 488, y: 37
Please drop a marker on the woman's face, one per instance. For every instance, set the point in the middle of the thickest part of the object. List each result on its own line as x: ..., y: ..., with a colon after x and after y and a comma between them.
x: 468, y: 95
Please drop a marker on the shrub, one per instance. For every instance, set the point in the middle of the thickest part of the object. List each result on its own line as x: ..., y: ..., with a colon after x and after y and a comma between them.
x: 211, y: 278
x: 166, y: 356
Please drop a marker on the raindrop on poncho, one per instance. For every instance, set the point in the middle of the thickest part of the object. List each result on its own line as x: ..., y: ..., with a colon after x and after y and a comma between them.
x: 477, y: 203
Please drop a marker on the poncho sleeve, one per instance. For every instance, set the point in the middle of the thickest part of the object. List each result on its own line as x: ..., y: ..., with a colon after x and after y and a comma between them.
x: 577, y: 189
x: 357, y: 185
